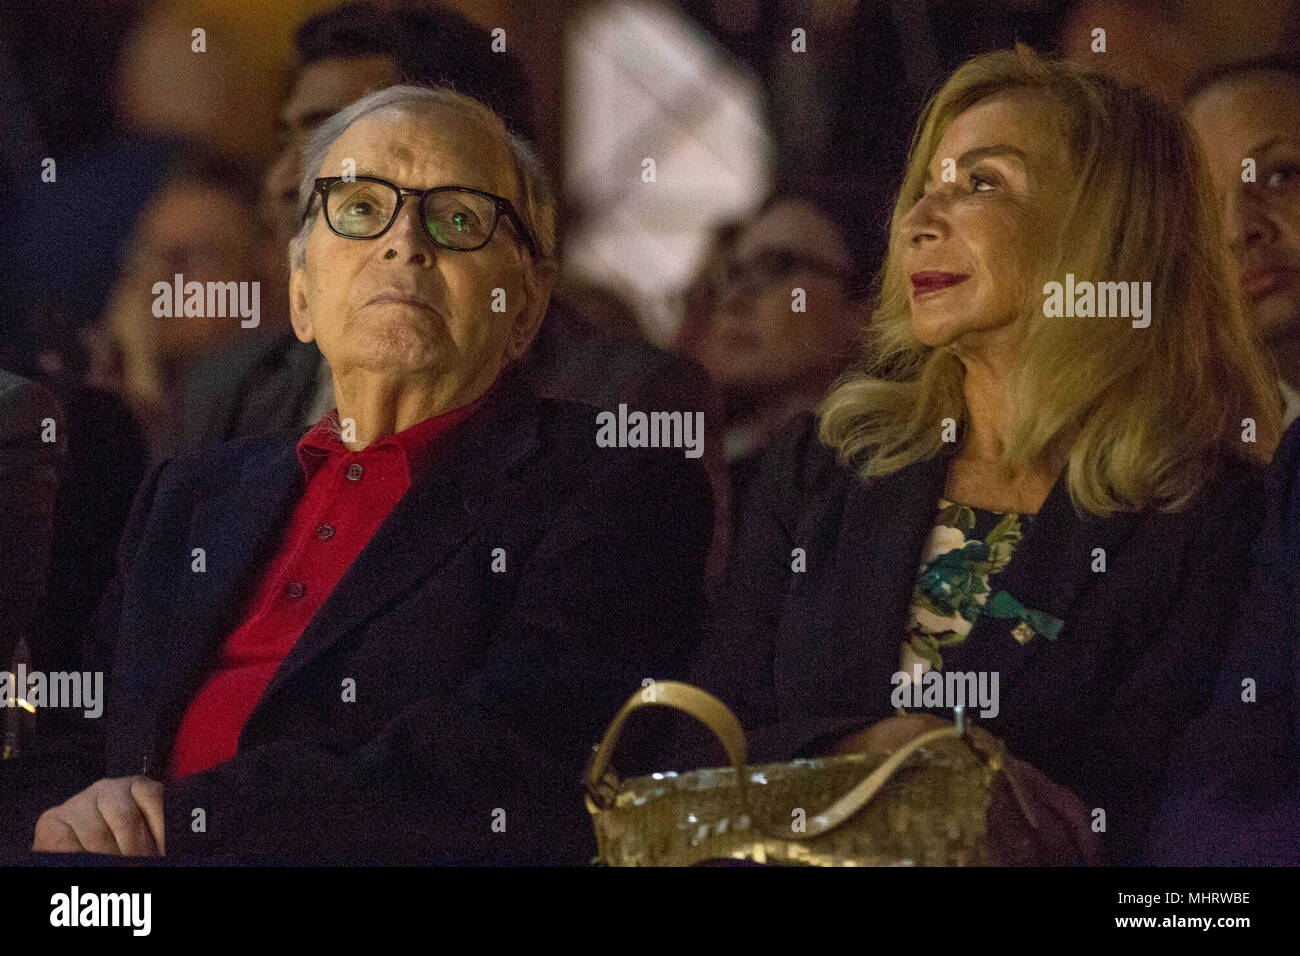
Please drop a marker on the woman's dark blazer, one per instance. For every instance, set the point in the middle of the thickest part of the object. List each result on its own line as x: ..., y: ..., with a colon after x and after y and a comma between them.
x: 803, y: 656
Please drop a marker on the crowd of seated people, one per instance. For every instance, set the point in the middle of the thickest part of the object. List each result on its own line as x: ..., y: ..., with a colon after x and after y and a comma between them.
x: 381, y: 588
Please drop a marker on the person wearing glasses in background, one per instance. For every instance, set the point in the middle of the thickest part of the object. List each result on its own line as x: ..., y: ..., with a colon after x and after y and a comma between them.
x: 394, y: 639
x: 774, y: 315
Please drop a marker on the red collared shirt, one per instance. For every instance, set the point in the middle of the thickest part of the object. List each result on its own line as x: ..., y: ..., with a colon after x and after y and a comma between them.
x: 348, y: 495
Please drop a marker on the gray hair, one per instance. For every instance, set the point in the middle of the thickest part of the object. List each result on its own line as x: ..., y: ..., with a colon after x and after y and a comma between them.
x: 536, y: 203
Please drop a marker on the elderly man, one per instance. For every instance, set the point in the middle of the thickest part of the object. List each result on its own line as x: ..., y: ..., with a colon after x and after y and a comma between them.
x: 395, y: 638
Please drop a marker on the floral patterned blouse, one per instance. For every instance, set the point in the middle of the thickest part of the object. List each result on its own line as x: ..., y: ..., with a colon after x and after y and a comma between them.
x: 966, y: 551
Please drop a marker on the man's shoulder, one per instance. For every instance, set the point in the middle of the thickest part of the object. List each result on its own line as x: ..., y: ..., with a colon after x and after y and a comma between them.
x: 581, y: 440
x: 218, y: 465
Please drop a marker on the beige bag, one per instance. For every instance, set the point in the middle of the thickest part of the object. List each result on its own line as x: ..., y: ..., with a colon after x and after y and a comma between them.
x: 923, y: 805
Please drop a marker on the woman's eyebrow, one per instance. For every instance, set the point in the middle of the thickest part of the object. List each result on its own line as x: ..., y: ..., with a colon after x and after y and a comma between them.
x: 974, y: 155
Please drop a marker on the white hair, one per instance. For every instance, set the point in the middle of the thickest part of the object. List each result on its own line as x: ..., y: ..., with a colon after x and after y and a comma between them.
x: 536, y: 202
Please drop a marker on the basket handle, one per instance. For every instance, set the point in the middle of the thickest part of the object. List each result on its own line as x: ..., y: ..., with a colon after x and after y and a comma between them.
x: 701, y: 705
x: 853, y: 801
x: 714, y: 714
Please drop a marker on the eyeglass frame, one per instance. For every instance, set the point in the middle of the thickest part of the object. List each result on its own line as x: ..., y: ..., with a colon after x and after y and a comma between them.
x: 322, y: 186
x: 731, y: 275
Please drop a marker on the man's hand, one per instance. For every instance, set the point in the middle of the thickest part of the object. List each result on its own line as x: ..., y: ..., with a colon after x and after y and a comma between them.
x: 122, y: 816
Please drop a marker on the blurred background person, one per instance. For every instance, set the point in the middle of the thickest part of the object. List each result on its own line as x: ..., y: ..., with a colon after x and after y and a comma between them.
x: 1247, y: 116
x: 1237, y: 799
x: 1140, y: 44
x: 32, y: 445
x: 201, y: 225
x: 777, y: 312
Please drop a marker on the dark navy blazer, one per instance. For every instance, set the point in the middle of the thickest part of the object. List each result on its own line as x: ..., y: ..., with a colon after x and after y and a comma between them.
x: 478, y: 692
x: 1236, y: 797
x: 805, y: 656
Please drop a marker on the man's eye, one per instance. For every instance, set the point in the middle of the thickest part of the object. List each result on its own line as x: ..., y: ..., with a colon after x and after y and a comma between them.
x: 980, y: 184
x: 1281, y: 176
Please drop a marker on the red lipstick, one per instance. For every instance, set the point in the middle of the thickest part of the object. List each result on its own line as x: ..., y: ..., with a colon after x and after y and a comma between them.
x: 926, y: 282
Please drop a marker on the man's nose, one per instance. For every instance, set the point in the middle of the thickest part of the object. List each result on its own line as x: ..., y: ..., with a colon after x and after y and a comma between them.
x: 407, y: 239
x: 1245, y: 220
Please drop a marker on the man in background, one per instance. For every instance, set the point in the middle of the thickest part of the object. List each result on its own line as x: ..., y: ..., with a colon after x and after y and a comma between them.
x: 1247, y: 117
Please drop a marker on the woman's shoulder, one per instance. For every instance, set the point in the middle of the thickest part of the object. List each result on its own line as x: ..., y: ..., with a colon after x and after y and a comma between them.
x: 1237, y: 483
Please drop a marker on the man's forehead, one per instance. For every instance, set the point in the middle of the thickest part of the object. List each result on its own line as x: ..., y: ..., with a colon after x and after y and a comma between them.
x: 438, y: 144
x: 1249, y: 103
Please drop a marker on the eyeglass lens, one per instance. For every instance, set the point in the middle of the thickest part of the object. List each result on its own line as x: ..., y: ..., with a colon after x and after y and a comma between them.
x: 454, y: 218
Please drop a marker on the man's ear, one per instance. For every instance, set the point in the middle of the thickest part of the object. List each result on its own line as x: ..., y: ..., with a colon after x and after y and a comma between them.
x: 539, y: 282
x: 299, y: 311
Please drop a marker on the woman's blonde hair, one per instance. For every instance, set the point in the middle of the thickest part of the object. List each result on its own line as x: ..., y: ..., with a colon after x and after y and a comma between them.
x: 1139, y: 417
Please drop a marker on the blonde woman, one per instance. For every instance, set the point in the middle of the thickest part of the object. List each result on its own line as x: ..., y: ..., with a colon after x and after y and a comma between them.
x: 1053, y: 500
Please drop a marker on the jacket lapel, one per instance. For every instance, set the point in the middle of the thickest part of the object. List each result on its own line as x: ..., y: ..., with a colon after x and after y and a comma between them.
x: 885, y: 524
x: 1051, y: 567
x: 426, y: 527
x: 238, y: 526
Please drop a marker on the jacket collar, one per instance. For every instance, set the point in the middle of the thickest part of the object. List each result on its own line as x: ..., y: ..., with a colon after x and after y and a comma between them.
x: 243, y: 522
x: 885, y: 524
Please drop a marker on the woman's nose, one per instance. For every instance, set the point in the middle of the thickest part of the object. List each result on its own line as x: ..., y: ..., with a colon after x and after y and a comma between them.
x: 925, y: 220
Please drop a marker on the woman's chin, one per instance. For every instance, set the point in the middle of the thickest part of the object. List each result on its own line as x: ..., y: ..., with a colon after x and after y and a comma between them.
x: 934, y: 334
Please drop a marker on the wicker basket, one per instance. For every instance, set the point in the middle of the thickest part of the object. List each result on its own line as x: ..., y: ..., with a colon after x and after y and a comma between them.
x: 923, y: 805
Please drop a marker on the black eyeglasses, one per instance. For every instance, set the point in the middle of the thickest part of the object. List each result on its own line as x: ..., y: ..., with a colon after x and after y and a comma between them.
x: 455, y: 217
x: 751, y: 276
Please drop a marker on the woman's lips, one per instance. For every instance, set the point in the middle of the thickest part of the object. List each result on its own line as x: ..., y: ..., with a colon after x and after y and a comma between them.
x: 923, y: 283
x: 1264, y: 281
